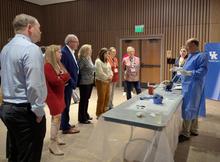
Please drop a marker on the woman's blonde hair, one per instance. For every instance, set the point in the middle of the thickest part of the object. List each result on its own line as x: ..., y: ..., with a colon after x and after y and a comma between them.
x: 84, y: 51
x: 50, y: 57
x: 183, y: 47
x: 112, y: 49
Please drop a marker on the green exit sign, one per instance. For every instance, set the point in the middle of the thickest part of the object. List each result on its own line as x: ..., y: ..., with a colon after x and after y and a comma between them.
x: 139, y: 28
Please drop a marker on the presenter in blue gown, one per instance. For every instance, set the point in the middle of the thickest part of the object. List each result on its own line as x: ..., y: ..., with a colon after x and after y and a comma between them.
x: 193, y: 81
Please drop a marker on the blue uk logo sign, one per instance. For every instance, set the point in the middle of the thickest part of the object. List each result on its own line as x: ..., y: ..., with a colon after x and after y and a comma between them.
x: 213, y: 56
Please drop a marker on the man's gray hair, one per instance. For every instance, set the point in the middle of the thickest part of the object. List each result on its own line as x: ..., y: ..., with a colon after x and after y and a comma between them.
x: 130, y: 49
x: 21, y: 21
x: 69, y: 37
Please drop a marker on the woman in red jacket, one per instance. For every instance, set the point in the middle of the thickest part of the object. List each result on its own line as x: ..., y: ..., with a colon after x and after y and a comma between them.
x: 56, y: 78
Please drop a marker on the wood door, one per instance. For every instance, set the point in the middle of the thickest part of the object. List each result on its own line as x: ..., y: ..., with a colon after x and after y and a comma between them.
x: 150, y: 61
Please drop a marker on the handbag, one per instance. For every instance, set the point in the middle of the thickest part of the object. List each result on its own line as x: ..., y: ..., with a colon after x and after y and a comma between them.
x: 75, y: 97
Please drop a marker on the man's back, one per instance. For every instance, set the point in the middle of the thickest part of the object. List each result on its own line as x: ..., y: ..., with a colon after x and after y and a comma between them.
x: 24, y: 91
x: 18, y: 58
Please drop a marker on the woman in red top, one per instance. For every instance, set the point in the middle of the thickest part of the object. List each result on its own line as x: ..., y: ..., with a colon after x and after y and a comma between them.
x: 112, y: 59
x: 56, y: 78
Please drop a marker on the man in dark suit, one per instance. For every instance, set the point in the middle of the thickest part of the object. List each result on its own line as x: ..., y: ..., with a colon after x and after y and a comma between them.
x: 69, y: 61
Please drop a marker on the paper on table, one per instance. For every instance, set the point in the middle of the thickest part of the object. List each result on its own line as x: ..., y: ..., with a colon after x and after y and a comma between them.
x: 175, y: 68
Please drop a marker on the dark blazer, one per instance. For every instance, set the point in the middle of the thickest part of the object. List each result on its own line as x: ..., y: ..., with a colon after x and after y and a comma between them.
x: 70, y: 65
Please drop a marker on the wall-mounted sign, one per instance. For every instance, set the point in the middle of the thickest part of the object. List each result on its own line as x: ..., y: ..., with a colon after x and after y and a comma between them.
x: 213, y: 75
x: 139, y: 28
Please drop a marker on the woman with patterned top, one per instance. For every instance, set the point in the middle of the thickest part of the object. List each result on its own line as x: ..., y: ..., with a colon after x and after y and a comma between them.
x: 131, y: 67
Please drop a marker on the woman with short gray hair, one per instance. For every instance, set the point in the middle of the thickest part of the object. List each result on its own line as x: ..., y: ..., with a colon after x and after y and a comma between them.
x: 131, y: 67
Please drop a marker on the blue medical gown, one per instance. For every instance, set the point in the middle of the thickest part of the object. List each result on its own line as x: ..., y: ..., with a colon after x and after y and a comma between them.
x: 193, y: 86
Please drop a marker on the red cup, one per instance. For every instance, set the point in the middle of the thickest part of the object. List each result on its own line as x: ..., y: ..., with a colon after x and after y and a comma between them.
x: 150, y: 90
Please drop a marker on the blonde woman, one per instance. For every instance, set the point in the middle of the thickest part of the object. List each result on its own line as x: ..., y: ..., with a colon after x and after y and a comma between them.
x: 56, y: 78
x: 180, y: 61
x: 103, y: 78
x: 86, y: 81
x: 183, y: 55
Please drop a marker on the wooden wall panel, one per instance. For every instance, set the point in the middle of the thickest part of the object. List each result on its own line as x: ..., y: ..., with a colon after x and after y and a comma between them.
x: 8, y: 10
x: 214, y: 21
x: 103, y: 22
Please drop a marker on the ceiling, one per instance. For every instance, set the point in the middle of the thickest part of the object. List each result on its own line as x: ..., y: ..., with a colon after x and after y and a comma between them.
x: 46, y: 2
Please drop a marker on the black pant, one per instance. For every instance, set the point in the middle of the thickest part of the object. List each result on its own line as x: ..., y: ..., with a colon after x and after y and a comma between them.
x: 85, y: 93
x: 125, y: 86
x: 25, y: 135
x: 136, y: 85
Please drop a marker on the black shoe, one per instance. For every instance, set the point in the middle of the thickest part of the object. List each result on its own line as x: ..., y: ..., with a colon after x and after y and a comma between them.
x: 194, y: 134
x: 71, y: 131
x: 183, y: 138
x: 90, y: 118
x: 85, y: 122
x: 70, y: 126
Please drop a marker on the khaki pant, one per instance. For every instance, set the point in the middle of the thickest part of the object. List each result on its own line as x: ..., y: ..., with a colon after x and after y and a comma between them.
x: 111, y: 94
x: 190, y: 126
x: 103, y: 96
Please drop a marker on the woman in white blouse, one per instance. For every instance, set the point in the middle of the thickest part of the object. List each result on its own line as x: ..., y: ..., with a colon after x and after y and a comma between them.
x: 103, y: 77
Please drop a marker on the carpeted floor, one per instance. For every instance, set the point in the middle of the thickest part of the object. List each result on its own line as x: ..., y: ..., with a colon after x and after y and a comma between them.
x: 203, y: 148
